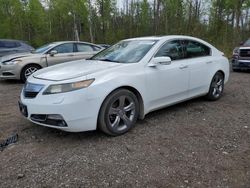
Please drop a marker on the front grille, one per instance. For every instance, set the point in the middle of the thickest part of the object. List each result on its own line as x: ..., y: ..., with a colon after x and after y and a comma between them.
x: 245, y: 53
x: 31, y: 90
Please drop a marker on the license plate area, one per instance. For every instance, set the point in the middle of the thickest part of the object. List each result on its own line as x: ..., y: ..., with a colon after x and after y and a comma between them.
x: 23, y: 109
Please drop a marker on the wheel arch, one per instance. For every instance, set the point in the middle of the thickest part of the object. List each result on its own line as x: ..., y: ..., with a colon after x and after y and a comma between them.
x: 136, y: 93
x: 222, y: 72
x: 26, y: 65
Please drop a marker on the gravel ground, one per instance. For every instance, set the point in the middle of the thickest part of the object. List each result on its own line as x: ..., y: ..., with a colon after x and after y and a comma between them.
x: 192, y: 144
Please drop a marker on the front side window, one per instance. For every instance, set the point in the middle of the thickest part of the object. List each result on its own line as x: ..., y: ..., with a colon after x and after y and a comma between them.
x: 172, y: 49
x: 84, y: 48
x: 130, y: 51
x: 64, y: 48
x: 194, y: 49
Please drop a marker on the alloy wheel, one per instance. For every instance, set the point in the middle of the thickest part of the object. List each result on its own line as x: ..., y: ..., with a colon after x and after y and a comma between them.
x: 217, y: 85
x: 121, y: 113
x: 29, y: 71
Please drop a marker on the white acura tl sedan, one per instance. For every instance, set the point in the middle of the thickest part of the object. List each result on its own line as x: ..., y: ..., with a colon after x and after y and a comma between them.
x: 123, y: 83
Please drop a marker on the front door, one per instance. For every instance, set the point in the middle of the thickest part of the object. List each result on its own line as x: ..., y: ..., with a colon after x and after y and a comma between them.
x: 65, y: 53
x: 167, y: 84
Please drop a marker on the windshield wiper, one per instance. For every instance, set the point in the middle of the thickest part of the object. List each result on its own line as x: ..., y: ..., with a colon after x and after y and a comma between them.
x: 109, y: 60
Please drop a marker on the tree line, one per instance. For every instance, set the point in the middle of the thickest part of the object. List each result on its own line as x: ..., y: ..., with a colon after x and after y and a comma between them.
x: 224, y: 23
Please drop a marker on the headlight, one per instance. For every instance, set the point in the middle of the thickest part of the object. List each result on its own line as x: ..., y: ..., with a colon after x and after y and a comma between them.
x: 236, y: 51
x: 13, y: 62
x: 62, y: 88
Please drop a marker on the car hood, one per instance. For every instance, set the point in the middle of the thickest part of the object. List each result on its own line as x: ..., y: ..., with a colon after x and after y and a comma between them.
x: 16, y: 56
x: 73, y: 69
x: 244, y: 47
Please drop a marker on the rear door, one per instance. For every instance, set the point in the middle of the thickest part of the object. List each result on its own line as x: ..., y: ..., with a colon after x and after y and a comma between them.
x: 84, y: 51
x: 198, y: 58
x: 65, y: 53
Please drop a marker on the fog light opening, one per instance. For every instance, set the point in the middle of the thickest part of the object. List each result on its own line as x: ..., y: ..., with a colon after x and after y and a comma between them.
x: 49, y: 119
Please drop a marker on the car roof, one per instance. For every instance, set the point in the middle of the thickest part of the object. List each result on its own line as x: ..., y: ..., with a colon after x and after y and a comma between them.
x: 169, y: 37
x: 163, y: 37
x: 63, y: 42
x: 10, y: 40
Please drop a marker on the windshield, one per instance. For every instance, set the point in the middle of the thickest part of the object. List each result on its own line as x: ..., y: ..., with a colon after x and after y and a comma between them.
x: 125, y: 51
x: 247, y: 43
x: 44, y: 48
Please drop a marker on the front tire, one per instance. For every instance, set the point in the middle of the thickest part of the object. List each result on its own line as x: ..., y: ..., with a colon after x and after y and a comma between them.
x: 216, y: 87
x: 27, y: 71
x: 119, y: 112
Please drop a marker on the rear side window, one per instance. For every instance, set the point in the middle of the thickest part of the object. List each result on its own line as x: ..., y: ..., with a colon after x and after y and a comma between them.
x: 172, y: 49
x: 194, y: 49
x: 9, y: 44
x: 84, y: 48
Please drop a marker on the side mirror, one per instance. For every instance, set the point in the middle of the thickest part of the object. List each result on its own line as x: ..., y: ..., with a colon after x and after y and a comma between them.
x: 241, y: 43
x: 159, y: 60
x: 52, y: 52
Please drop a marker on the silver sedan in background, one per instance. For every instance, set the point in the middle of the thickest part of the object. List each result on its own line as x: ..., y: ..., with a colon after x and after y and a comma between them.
x: 21, y: 66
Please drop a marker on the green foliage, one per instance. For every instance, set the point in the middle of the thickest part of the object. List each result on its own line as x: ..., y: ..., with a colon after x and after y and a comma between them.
x: 222, y: 22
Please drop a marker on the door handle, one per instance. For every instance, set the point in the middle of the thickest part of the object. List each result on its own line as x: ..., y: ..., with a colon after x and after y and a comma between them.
x: 209, y: 62
x: 70, y: 55
x: 183, y: 66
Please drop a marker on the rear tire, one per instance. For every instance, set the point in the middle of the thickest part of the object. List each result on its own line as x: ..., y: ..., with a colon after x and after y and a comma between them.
x: 119, y: 113
x: 216, y: 87
x: 27, y: 71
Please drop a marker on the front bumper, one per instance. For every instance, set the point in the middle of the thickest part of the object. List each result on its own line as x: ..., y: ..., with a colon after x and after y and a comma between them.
x: 241, y: 64
x: 77, y: 108
x: 9, y: 72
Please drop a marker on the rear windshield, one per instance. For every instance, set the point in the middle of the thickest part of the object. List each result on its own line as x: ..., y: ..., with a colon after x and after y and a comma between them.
x: 9, y: 44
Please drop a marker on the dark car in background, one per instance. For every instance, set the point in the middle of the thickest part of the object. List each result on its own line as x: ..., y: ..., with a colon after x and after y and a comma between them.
x: 104, y: 45
x: 9, y: 46
x: 241, y: 57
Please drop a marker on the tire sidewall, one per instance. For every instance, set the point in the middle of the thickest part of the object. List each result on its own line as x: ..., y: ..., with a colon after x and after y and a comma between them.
x: 210, y: 95
x: 103, y: 119
x: 22, y: 75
